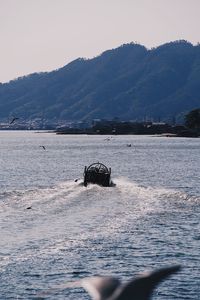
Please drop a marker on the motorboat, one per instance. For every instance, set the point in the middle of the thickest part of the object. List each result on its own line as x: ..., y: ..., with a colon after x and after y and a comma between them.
x: 97, y: 173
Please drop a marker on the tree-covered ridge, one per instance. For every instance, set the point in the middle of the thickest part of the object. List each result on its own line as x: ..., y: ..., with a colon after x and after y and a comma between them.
x: 192, y: 119
x: 129, y: 82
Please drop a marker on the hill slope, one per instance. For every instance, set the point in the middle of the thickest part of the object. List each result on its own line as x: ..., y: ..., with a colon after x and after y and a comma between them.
x: 129, y: 82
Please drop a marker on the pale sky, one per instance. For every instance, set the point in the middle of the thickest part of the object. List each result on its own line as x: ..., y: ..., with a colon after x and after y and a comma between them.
x: 44, y: 35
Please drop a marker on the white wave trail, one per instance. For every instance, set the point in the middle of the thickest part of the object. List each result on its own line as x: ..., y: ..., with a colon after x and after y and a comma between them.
x: 132, y: 188
x: 64, y: 190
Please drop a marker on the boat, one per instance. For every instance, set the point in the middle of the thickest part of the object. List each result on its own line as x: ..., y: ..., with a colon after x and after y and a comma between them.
x: 97, y: 173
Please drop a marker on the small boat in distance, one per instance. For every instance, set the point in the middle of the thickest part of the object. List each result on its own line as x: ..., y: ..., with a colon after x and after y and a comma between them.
x: 97, y: 173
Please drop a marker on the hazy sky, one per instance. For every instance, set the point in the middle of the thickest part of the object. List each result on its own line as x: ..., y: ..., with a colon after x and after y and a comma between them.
x: 43, y: 35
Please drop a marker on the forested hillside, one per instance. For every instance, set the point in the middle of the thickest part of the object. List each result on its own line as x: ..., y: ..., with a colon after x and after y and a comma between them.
x: 129, y: 82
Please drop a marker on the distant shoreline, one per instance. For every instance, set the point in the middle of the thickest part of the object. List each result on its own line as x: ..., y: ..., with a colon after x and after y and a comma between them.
x: 184, y: 133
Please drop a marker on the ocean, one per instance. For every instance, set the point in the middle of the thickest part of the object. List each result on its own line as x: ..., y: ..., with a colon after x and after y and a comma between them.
x: 150, y: 219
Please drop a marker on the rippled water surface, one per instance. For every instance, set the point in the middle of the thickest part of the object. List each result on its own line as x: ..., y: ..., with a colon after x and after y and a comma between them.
x: 148, y: 220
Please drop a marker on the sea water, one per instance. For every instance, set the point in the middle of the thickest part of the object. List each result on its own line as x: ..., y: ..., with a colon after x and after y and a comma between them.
x: 54, y: 230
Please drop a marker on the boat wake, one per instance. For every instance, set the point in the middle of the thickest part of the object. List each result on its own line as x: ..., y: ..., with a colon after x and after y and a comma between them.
x: 68, y: 219
x: 66, y: 192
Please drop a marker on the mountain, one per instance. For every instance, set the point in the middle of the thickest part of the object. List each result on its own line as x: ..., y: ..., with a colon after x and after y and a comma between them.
x: 129, y: 82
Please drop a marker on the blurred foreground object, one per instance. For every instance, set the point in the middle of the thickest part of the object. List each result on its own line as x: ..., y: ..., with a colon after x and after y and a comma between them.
x: 139, y: 288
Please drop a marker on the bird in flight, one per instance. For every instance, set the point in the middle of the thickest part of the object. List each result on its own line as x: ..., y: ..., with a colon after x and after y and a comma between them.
x: 43, y: 147
x: 111, y: 288
x: 139, y: 288
x: 13, y: 120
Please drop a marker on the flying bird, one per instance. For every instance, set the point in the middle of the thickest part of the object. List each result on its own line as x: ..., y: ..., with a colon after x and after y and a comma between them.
x: 139, y: 288
x: 13, y: 120
x: 111, y: 288
x: 43, y: 147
